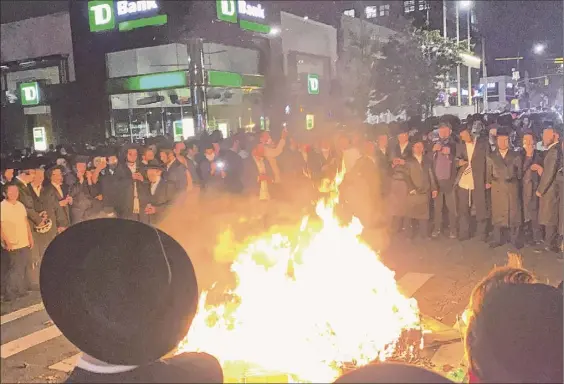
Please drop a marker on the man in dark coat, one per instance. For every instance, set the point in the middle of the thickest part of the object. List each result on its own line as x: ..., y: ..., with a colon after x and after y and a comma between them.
x: 157, y: 195
x: 56, y: 200
x: 22, y: 180
x: 548, y: 189
x: 400, y: 152
x: 532, y: 163
x: 422, y: 187
x: 105, y: 179
x: 129, y: 180
x: 232, y: 164
x: 123, y: 272
x: 83, y: 193
x: 504, y: 173
x: 444, y: 167
x: 471, y: 183
x: 383, y: 159
x: 175, y: 171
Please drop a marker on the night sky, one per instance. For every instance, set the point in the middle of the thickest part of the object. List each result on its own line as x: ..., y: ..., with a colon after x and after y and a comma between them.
x: 510, y: 27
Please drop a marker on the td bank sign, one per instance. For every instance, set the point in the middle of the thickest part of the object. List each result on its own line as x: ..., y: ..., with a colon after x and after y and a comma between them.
x: 250, y: 16
x: 29, y: 93
x: 103, y: 15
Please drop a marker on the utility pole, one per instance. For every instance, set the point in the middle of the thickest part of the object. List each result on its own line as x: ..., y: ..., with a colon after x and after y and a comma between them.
x: 447, y: 90
x: 469, y: 19
x: 484, y: 74
x: 458, y: 88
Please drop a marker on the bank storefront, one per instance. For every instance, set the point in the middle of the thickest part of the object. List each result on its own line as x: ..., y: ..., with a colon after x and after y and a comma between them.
x: 155, y: 91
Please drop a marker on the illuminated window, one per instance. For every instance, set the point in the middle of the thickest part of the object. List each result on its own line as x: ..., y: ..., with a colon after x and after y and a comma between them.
x: 349, y: 12
x: 371, y: 11
x: 423, y: 5
x: 385, y: 10
x: 409, y: 6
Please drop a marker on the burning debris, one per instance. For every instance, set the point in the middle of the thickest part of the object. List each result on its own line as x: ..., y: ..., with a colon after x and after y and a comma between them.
x: 310, y: 303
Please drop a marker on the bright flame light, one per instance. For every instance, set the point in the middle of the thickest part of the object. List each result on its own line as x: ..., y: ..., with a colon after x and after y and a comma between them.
x: 306, y: 304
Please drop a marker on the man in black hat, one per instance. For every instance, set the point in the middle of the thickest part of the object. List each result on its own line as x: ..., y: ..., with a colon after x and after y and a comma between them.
x: 82, y: 191
x: 383, y: 159
x: 422, y: 186
x: 129, y: 179
x: 444, y: 168
x: 131, y: 300
x: 56, y: 198
x: 532, y: 168
x: 548, y: 190
x: 470, y: 182
x: 504, y: 174
x: 157, y: 195
x: 7, y: 168
x: 22, y: 181
x: 400, y: 152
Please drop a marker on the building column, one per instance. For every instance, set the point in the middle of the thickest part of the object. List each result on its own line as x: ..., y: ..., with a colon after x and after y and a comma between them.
x: 196, y: 78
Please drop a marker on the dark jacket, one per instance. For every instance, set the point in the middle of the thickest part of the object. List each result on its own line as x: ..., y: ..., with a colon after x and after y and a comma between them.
x: 529, y: 187
x: 233, y: 168
x: 505, y: 175
x: 183, y: 368
x: 478, y: 164
x: 162, y: 199
x: 398, y: 182
x: 446, y: 185
x: 421, y: 179
x: 125, y: 185
x: 25, y: 197
x: 60, y: 215
x: 176, y: 176
x: 549, y: 202
x: 108, y: 186
x: 84, y: 204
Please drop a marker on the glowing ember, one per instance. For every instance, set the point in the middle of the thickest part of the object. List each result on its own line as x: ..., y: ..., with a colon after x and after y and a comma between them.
x: 307, y: 303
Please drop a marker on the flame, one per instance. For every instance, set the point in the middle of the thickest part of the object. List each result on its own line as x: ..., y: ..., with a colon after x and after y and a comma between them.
x: 306, y: 304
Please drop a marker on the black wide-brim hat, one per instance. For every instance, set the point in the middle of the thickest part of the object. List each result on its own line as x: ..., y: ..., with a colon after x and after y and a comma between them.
x: 391, y: 373
x: 121, y: 291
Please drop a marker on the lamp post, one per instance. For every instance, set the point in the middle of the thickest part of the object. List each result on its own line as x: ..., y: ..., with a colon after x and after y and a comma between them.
x: 468, y: 6
x: 458, y: 95
x: 447, y: 88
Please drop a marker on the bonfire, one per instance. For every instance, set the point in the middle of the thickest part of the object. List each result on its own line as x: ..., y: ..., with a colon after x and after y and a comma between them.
x: 309, y: 304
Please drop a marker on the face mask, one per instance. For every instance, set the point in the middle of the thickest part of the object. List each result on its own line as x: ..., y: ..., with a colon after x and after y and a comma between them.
x: 210, y: 157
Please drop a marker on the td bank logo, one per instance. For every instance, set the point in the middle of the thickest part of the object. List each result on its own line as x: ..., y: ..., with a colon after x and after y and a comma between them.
x: 312, y: 84
x: 101, y: 15
x: 229, y: 10
x: 29, y: 93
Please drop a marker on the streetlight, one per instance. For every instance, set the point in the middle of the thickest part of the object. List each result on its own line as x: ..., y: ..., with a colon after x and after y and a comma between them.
x: 465, y: 4
x: 274, y: 31
x: 538, y: 49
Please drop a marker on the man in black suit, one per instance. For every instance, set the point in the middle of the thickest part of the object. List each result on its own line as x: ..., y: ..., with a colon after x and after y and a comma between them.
x: 548, y: 191
x: 156, y: 195
x: 56, y: 199
x: 175, y: 171
x: 470, y: 183
x: 122, y: 273
x: 129, y: 180
x: 22, y: 181
x: 504, y: 174
x: 232, y: 164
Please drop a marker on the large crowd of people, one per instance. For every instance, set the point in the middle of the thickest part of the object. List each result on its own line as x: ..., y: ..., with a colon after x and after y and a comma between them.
x: 495, y: 179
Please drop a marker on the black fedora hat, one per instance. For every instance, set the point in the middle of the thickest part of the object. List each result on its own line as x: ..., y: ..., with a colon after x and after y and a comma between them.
x: 391, y: 373
x: 121, y: 291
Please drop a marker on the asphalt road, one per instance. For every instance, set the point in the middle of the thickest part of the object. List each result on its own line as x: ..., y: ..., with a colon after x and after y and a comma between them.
x: 439, y: 274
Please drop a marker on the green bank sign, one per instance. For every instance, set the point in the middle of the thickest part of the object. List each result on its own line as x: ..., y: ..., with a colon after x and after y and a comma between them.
x: 105, y: 15
x: 249, y: 16
x: 29, y: 93
x: 312, y: 84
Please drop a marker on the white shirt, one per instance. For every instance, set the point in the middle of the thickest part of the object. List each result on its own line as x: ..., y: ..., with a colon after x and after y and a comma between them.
x: 14, y: 223
x: 24, y: 183
x: 403, y: 147
x: 419, y: 159
x: 503, y: 153
x: 467, y: 180
x: 37, y: 189
x: 133, y: 168
x: 155, y: 185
